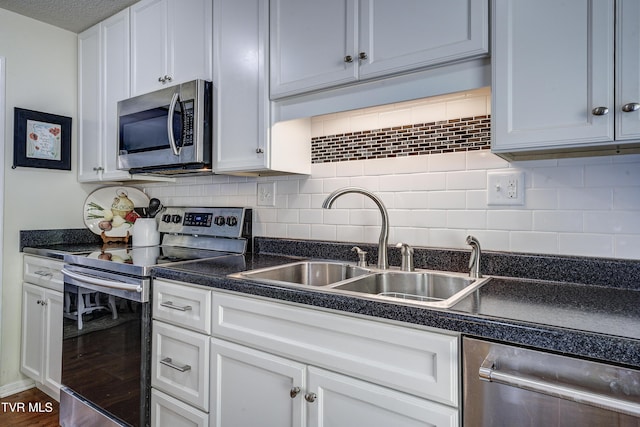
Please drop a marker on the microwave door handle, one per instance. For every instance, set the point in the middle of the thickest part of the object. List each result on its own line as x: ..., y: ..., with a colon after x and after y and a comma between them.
x: 172, y: 109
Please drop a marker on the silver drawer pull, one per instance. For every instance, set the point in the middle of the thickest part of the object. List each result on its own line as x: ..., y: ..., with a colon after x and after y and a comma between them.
x: 172, y: 306
x: 488, y: 372
x: 168, y: 362
x: 43, y: 273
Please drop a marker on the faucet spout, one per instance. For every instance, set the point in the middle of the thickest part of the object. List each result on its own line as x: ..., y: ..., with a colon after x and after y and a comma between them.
x: 383, y: 259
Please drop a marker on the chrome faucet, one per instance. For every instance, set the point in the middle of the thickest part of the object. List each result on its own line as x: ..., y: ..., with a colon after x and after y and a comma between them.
x: 474, y: 259
x: 383, y: 259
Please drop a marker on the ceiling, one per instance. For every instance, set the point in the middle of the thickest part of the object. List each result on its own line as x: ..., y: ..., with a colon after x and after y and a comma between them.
x: 72, y: 15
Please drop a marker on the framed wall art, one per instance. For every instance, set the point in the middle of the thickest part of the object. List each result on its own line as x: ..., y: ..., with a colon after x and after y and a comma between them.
x: 41, y: 140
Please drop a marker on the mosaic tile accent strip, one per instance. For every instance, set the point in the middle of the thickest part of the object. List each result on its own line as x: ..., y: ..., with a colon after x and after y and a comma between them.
x: 447, y: 136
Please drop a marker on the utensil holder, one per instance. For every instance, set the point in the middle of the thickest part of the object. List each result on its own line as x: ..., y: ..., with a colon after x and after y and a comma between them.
x: 145, y: 232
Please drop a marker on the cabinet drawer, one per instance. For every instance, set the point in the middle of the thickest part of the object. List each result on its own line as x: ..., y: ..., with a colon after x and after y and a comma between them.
x: 180, y: 364
x: 169, y: 412
x: 182, y: 305
x: 415, y: 361
x: 44, y: 272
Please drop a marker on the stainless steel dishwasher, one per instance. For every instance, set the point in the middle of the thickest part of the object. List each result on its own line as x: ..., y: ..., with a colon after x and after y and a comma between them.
x: 511, y: 386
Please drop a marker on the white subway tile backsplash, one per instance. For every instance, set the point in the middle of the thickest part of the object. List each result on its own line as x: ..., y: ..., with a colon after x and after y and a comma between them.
x: 586, y: 244
x: 509, y: 220
x: 579, y: 206
x: 534, y: 242
x: 466, y: 219
x: 560, y: 221
x: 467, y: 180
x: 586, y: 198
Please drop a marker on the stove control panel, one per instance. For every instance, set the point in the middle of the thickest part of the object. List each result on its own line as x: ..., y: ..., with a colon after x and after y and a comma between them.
x: 207, y: 221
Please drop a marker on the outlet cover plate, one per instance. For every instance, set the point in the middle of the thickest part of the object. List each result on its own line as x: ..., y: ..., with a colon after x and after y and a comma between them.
x: 266, y: 194
x: 505, y: 188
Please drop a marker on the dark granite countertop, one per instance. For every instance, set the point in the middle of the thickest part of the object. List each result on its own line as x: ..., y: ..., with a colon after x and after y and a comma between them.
x: 554, y: 311
x: 594, y: 322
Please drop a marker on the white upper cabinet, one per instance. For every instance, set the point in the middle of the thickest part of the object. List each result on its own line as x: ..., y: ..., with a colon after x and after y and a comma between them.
x: 245, y: 142
x: 170, y: 43
x: 103, y: 80
x: 554, y: 92
x: 315, y: 45
x: 627, y: 92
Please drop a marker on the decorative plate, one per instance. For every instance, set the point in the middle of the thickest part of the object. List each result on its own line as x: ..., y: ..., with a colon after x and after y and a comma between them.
x: 110, y: 210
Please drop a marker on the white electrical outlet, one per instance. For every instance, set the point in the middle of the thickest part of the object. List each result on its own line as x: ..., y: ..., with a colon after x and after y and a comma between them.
x: 505, y: 188
x: 266, y: 194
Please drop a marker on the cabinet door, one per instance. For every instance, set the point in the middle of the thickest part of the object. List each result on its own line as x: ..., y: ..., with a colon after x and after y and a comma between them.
x: 180, y: 364
x: 115, y: 87
x: 149, y: 45
x: 241, y: 94
x: 52, y: 366
x: 400, y: 37
x: 547, y: 83
x: 339, y: 401
x: 167, y: 411
x: 89, y: 105
x: 309, y: 44
x: 627, y: 69
x: 252, y: 388
x: 33, y: 316
x: 190, y: 39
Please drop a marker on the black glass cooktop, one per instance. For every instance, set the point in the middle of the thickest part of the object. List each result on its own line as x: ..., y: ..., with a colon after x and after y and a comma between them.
x: 139, y: 260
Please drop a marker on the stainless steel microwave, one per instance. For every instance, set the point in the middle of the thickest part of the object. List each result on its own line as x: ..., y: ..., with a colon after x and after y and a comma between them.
x: 168, y: 131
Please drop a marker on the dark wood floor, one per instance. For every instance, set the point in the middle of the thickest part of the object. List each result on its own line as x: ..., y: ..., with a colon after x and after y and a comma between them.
x: 28, y: 409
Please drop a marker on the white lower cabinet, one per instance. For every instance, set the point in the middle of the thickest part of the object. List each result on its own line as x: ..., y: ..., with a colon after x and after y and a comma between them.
x: 42, y: 306
x: 169, y: 411
x: 271, y: 363
x: 254, y: 388
x: 180, y: 364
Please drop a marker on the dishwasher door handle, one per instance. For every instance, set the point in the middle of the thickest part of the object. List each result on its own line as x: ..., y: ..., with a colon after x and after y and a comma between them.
x: 489, y: 373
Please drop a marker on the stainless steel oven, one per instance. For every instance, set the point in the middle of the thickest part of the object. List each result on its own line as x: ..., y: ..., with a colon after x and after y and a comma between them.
x: 107, y: 320
x: 511, y: 386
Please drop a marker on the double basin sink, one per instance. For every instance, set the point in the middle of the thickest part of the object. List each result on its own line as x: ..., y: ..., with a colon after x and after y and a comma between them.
x: 422, y: 287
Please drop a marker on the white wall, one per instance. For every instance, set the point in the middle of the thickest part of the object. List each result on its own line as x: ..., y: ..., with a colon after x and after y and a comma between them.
x: 583, y: 206
x: 41, y: 65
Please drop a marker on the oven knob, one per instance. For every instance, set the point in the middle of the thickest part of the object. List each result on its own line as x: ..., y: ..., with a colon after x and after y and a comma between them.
x: 176, y: 219
x: 166, y: 218
x: 232, y: 221
x: 219, y: 221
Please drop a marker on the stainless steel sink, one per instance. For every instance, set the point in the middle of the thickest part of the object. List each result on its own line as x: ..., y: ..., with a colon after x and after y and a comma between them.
x: 307, y: 273
x: 429, y: 288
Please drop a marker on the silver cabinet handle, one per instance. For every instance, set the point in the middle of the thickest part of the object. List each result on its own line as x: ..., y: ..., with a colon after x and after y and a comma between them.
x: 348, y: 59
x: 98, y: 168
x: 600, y: 111
x: 310, y: 397
x: 43, y: 273
x: 164, y: 79
x: 630, y: 107
x: 259, y: 150
x: 168, y: 362
x: 362, y: 56
x: 294, y: 392
x: 171, y: 305
x: 489, y: 373
x: 41, y: 302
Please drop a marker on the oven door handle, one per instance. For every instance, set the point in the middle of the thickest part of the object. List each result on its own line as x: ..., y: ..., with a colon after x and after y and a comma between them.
x: 102, y: 282
x: 488, y: 372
